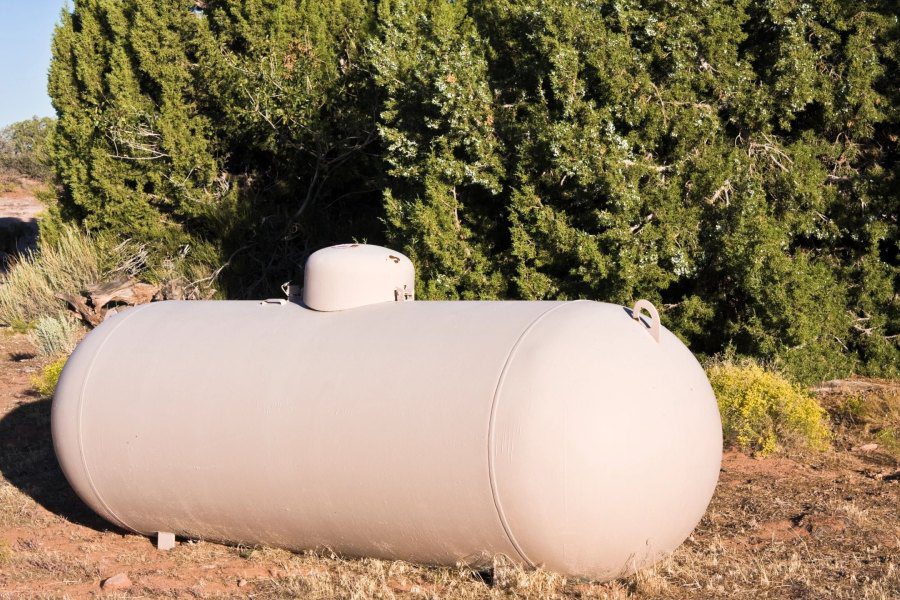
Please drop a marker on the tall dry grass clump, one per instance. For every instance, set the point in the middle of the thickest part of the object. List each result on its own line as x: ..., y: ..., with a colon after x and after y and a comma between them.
x: 871, y: 408
x: 67, y: 263
x: 29, y: 290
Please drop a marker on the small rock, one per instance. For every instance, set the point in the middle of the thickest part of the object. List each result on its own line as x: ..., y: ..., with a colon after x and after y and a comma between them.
x: 242, y: 582
x: 119, y: 581
x: 868, y: 447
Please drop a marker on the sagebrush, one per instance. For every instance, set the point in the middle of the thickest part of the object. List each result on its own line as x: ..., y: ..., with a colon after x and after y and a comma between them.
x: 56, y: 335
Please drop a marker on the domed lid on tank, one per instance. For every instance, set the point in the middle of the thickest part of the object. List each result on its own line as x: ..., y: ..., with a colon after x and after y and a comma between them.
x: 354, y: 275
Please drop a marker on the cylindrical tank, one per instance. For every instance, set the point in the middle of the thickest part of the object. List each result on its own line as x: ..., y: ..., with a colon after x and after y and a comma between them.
x: 559, y: 434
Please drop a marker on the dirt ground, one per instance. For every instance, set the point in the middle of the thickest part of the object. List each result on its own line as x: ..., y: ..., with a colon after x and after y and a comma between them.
x: 823, y: 525
x: 19, y: 210
x: 18, y: 200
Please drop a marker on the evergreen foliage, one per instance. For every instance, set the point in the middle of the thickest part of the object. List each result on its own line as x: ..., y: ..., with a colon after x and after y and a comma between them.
x: 734, y: 162
x: 295, y: 109
x: 134, y: 151
x: 442, y: 154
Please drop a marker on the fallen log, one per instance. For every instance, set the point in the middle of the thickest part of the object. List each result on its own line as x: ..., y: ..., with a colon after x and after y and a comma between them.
x: 127, y: 291
x: 100, y: 300
x: 78, y: 306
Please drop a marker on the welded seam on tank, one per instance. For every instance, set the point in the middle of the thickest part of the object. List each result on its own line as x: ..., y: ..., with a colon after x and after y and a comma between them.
x: 87, y: 378
x: 491, y: 426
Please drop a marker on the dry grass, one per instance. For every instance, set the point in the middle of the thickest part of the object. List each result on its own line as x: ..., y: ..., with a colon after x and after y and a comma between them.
x: 710, y: 565
x: 66, y: 265
x: 322, y: 575
x: 866, y: 408
x: 29, y: 288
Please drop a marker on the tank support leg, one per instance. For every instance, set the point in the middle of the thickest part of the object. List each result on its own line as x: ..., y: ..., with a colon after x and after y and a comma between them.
x: 165, y: 540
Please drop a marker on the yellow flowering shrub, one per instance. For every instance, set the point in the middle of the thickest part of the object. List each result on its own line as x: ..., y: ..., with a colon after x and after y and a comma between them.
x: 45, y: 383
x: 763, y: 412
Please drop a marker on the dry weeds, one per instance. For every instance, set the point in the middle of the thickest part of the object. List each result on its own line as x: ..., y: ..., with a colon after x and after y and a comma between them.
x: 29, y: 288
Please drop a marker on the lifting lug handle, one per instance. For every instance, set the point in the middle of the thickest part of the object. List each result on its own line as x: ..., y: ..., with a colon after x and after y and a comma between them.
x: 653, y: 324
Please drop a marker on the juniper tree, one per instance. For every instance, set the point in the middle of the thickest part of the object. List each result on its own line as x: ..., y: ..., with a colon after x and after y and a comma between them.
x: 225, y: 126
x: 442, y: 155
x: 296, y: 111
x: 730, y: 161
x: 735, y: 162
x: 133, y: 151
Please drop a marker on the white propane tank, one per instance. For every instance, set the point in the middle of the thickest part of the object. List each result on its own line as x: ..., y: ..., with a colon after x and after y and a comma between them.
x: 566, y: 435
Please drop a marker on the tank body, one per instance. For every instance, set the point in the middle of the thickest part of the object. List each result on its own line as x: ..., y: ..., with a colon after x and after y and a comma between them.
x: 561, y: 435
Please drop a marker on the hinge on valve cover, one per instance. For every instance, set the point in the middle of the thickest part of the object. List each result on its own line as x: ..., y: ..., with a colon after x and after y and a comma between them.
x: 402, y: 294
x: 293, y: 292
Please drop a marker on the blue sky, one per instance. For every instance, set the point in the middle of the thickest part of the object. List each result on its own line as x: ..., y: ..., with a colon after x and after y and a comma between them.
x: 26, y: 27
